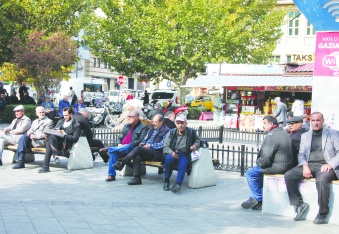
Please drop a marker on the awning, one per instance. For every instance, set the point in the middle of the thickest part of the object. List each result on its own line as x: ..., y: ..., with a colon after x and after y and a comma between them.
x: 217, y: 80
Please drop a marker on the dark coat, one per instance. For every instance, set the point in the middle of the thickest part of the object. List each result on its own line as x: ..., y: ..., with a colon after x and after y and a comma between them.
x: 139, y: 133
x: 296, y: 137
x: 73, y: 131
x: 85, y: 125
x: 158, y: 153
x: 275, y: 155
x: 169, y: 123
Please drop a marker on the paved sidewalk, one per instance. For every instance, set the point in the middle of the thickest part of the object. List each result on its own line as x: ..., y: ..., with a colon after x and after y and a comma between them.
x: 81, y: 201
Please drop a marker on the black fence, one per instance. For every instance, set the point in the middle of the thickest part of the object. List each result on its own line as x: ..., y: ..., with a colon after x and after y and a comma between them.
x: 233, y: 158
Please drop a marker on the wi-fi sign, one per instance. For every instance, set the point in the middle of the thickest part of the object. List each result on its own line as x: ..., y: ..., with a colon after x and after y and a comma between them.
x: 332, y: 7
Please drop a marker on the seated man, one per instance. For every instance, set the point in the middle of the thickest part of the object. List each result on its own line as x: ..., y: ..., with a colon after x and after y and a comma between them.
x: 49, y: 107
x: 155, y: 111
x: 151, y: 148
x: 130, y: 137
x: 319, y: 158
x: 178, y: 145
x: 78, y: 105
x: 35, y: 137
x: 62, y: 104
x: 27, y: 100
x: 18, y: 127
x: 275, y: 157
x: 169, y: 118
x: 59, y: 145
x: 296, y: 130
x: 82, y: 118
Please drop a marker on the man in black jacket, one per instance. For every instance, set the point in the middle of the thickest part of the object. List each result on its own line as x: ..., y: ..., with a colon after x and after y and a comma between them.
x: 295, y: 130
x: 130, y: 137
x: 59, y: 145
x: 82, y: 118
x: 178, y: 145
x: 169, y: 118
x: 151, y: 148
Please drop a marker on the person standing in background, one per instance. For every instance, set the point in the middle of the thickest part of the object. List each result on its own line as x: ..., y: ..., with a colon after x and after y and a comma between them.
x: 146, y: 97
x: 280, y: 112
x: 22, y: 90
x: 298, y: 107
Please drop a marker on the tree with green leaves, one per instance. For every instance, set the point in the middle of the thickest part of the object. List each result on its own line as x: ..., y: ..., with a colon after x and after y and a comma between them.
x: 174, y: 39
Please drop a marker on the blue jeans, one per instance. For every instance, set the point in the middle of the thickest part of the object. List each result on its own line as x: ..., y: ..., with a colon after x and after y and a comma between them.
x: 182, y: 162
x: 255, y: 180
x: 117, y: 152
x: 24, y: 143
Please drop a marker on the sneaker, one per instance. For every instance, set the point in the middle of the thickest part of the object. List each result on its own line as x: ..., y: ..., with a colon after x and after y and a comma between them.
x: 300, y: 210
x: 176, y: 188
x: 95, y: 155
x: 57, y: 160
x: 320, y: 219
x: 257, y: 206
x: 249, y: 203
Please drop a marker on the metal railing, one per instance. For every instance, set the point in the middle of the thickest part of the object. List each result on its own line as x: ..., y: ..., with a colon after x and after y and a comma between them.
x: 233, y: 158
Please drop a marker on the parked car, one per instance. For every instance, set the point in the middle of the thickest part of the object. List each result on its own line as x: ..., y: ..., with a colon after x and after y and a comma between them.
x: 113, y: 95
x: 203, y: 100
x: 163, y: 95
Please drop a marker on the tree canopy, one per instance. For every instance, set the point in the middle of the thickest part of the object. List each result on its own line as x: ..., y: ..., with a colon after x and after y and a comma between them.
x: 45, y: 59
x: 173, y: 39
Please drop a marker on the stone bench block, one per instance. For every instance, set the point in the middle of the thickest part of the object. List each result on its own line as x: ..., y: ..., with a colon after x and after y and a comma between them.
x: 276, y: 201
x: 202, y: 174
x: 80, y: 155
x: 128, y: 171
x: 29, y: 157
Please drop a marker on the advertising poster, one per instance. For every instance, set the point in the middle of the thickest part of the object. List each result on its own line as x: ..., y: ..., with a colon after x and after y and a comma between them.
x: 327, y: 54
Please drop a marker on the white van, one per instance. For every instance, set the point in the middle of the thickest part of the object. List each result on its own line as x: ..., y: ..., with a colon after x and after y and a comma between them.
x: 114, y: 95
x: 163, y: 95
x: 90, y: 85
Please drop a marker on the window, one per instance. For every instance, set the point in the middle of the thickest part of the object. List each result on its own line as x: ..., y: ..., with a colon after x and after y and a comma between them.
x: 105, y: 65
x: 98, y: 62
x: 275, y: 59
x: 293, y: 25
x: 94, y: 62
x: 310, y: 31
x: 289, y: 58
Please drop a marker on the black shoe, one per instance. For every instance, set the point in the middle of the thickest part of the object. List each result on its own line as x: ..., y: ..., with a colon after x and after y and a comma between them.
x: 110, y: 178
x: 166, y: 186
x: 18, y: 165
x: 320, y: 219
x: 257, y: 206
x: 105, y: 157
x: 160, y: 171
x: 0, y: 162
x: 300, y: 210
x: 44, y: 169
x: 118, y: 166
x: 176, y: 188
x: 249, y: 203
x: 135, y: 181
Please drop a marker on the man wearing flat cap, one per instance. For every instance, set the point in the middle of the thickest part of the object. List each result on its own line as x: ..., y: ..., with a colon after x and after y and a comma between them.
x: 296, y: 130
x: 178, y: 145
x: 18, y: 127
x: 49, y: 107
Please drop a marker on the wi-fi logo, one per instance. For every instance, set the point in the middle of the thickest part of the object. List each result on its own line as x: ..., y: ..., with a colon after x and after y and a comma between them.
x: 332, y: 7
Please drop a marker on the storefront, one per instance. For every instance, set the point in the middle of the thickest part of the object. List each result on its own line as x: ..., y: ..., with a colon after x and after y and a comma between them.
x: 250, y: 97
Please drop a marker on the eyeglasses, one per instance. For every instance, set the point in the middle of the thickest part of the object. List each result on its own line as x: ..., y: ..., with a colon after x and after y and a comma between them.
x: 130, y: 116
x: 292, y: 123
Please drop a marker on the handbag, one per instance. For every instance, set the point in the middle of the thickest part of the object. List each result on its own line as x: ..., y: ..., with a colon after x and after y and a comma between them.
x: 195, y: 155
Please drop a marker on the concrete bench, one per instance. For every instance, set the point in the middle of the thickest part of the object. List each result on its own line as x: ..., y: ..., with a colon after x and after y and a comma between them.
x: 202, y: 173
x: 80, y: 156
x: 276, y: 201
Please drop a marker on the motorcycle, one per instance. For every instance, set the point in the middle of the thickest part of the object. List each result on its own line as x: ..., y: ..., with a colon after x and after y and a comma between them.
x: 107, y: 114
x: 181, y: 110
x: 148, y: 107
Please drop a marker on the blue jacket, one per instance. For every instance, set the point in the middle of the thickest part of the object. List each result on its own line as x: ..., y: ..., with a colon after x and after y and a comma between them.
x: 77, y: 107
x: 51, y: 105
x: 62, y: 105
